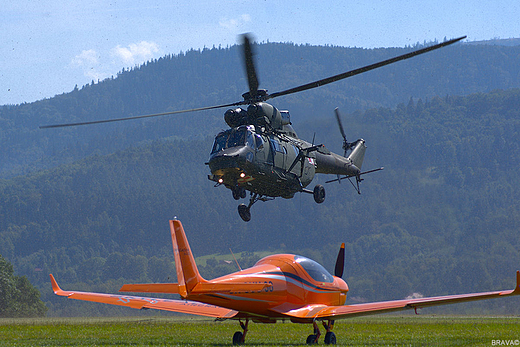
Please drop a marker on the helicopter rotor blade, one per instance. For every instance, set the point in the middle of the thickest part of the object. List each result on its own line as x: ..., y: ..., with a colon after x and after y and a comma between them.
x: 340, y: 262
x: 252, y: 78
x: 142, y: 116
x: 351, y: 73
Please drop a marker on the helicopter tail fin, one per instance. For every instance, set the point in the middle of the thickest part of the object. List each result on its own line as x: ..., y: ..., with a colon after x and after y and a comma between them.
x: 187, y: 273
x: 358, y: 153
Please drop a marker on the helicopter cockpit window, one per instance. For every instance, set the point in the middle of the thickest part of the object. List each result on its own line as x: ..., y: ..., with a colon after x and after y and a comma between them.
x: 258, y: 141
x: 250, y: 140
x: 315, y: 270
x: 237, y: 138
x: 220, y: 142
x: 232, y: 138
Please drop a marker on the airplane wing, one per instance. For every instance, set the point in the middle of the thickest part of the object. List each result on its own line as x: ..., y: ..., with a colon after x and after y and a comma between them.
x: 182, y: 306
x: 347, y: 311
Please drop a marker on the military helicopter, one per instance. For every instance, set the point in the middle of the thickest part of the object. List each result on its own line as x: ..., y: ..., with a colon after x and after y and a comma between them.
x: 261, y: 153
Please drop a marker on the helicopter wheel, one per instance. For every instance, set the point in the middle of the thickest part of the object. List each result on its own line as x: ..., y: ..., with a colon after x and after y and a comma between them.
x: 319, y: 193
x: 244, y: 212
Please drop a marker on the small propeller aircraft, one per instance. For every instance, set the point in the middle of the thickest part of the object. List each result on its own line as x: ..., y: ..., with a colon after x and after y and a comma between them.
x: 261, y: 152
x: 277, y: 287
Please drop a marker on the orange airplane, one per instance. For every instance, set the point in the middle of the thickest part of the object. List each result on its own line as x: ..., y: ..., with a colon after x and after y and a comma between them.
x: 277, y: 287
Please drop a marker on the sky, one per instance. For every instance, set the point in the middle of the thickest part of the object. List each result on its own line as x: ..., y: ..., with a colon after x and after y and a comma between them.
x: 47, y: 47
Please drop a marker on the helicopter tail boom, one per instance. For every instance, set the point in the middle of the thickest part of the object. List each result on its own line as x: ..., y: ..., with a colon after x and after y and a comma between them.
x: 358, y: 153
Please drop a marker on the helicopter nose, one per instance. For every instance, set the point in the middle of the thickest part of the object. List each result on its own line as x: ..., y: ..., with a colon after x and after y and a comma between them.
x: 232, y: 158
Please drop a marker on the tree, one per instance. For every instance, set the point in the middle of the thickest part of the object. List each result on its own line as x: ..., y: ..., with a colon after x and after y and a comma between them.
x: 18, y: 297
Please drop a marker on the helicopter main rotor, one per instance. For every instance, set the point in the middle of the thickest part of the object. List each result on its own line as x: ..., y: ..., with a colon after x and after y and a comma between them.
x: 255, y: 95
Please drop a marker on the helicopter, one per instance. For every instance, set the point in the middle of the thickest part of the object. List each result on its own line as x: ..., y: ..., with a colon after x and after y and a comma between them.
x: 261, y: 152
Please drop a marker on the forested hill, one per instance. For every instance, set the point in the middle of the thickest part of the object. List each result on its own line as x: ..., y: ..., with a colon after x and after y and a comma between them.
x: 215, y: 76
x: 443, y: 217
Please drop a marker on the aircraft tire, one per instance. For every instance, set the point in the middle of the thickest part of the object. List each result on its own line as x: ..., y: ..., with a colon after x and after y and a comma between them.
x: 330, y: 338
x: 311, y: 340
x: 244, y: 212
x: 237, y: 338
x: 319, y: 193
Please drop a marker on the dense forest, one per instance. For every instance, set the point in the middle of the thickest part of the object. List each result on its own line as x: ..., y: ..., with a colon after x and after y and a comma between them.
x: 93, y: 204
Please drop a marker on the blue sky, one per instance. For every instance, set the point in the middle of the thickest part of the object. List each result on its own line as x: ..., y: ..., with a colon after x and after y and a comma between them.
x: 49, y: 46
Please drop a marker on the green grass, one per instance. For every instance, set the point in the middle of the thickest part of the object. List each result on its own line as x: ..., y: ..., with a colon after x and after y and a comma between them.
x: 163, y: 331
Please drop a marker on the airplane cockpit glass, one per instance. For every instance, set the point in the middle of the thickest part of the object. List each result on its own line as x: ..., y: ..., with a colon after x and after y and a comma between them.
x: 233, y: 138
x: 315, y: 270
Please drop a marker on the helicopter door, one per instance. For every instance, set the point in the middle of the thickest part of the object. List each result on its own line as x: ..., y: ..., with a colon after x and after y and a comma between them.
x: 278, y: 153
x: 262, y: 150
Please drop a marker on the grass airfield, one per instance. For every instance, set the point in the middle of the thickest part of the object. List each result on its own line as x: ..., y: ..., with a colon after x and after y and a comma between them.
x: 175, y: 331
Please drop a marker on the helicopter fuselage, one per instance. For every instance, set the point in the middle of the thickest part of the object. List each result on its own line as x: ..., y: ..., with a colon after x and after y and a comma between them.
x: 243, y: 158
x: 273, y: 164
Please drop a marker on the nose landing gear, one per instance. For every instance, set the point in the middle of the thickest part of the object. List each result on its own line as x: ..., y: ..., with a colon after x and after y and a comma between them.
x: 330, y: 337
x: 245, y: 210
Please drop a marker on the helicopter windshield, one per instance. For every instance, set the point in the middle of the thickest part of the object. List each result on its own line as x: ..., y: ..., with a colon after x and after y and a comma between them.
x: 233, y: 138
x: 315, y: 270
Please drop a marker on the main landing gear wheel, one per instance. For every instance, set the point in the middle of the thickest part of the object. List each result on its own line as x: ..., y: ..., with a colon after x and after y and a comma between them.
x: 319, y: 193
x: 330, y: 338
x: 312, y: 340
x: 245, y: 212
x: 238, y: 338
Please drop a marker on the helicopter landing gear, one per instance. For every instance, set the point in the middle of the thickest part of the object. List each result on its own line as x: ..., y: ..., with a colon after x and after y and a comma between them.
x: 240, y: 337
x: 319, y: 193
x: 238, y: 193
x: 245, y: 210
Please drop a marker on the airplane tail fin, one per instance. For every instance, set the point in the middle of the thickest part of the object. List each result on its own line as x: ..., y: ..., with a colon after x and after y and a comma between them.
x: 187, y: 273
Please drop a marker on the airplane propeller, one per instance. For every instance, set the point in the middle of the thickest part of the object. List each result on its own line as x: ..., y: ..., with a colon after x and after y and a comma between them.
x: 258, y: 95
x: 340, y: 262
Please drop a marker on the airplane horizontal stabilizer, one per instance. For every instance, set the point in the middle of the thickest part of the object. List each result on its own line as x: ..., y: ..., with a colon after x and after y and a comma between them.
x: 182, y: 306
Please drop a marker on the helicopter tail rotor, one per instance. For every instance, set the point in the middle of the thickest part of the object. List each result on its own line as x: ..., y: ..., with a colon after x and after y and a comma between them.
x: 346, y: 144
